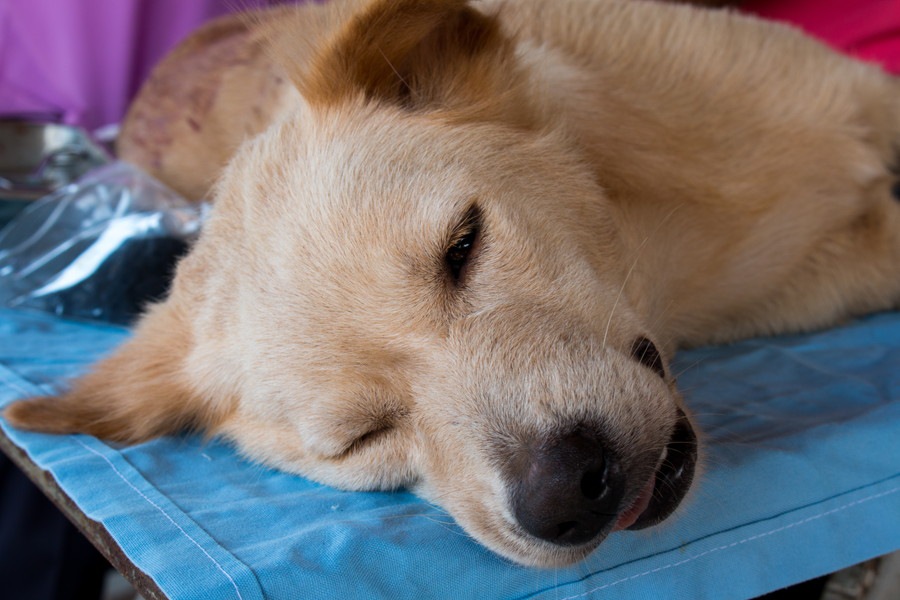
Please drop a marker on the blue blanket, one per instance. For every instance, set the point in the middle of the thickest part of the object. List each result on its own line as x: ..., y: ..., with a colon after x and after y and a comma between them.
x: 802, y: 477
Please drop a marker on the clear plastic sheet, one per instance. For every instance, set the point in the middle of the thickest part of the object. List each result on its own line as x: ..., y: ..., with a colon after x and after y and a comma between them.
x: 97, y: 249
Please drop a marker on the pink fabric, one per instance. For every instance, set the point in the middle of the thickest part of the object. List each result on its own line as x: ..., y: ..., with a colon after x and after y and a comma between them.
x: 81, y: 61
x: 867, y: 29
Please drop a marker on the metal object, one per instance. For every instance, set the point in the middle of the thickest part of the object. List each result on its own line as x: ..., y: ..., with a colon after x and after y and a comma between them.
x: 37, y: 158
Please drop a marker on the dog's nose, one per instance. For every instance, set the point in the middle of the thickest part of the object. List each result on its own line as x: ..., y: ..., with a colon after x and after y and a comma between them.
x: 567, y: 488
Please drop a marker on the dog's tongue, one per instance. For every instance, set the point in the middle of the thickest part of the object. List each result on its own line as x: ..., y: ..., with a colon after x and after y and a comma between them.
x: 628, y: 518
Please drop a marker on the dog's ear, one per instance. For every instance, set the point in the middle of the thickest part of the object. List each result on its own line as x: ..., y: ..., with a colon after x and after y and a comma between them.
x: 411, y: 52
x: 138, y: 393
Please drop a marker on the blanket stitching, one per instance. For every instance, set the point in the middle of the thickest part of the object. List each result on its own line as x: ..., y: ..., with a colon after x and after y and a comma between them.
x: 165, y: 514
x: 10, y: 381
x: 737, y: 543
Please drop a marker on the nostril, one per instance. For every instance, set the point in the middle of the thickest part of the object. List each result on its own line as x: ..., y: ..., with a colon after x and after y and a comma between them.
x: 593, y: 483
x: 648, y: 355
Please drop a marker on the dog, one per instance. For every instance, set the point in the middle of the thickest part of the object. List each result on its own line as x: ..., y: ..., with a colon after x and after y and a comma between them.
x: 454, y: 246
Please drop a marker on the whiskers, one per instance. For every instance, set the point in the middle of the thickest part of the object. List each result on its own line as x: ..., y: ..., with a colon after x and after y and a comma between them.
x: 638, y: 255
x: 407, y: 88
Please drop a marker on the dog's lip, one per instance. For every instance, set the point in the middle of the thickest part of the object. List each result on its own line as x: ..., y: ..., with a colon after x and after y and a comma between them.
x: 665, y: 490
x: 638, y: 506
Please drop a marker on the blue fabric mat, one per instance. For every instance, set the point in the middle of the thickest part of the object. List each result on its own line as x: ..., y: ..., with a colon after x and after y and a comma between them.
x: 802, y: 477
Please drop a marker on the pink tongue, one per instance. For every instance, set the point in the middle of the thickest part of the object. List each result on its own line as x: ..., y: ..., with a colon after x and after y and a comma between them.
x: 628, y: 518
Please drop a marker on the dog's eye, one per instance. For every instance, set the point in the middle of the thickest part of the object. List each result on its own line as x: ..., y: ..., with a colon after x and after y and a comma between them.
x: 647, y: 354
x: 463, y: 242
x: 457, y: 256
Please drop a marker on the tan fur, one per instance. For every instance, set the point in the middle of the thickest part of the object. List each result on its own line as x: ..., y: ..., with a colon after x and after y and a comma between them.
x: 687, y: 175
x: 202, y: 101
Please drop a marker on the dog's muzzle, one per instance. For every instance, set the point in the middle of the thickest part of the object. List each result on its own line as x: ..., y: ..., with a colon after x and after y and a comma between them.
x: 570, y: 488
x: 673, y: 477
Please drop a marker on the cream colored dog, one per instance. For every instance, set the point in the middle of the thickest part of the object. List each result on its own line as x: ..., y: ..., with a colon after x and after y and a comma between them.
x: 470, y: 236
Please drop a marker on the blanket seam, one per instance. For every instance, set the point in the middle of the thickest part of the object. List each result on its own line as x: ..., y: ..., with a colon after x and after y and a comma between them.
x: 737, y: 543
x: 13, y: 381
x: 165, y: 514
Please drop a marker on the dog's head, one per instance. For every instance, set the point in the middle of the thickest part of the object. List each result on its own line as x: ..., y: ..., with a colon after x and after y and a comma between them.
x: 412, y: 280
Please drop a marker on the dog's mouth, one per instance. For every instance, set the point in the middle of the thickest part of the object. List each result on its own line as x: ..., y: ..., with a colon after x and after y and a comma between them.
x: 665, y: 490
x: 570, y: 494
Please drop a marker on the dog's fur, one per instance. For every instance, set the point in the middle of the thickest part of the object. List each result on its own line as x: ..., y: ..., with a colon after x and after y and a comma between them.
x: 687, y: 175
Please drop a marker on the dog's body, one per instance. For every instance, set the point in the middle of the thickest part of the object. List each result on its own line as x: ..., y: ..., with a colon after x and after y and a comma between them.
x: 467, y: 240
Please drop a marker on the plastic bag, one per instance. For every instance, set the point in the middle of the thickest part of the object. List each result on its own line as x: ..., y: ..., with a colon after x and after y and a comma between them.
x: 98, y: 249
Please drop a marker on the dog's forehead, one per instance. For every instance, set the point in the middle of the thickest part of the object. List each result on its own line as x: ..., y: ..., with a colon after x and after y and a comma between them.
x: 347, y: 219
x: 351, y: 213
x: 381, y: 171
x: 378, y: 183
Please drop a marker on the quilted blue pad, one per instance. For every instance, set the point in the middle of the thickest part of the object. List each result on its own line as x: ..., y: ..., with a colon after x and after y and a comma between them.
x: 802, y: 477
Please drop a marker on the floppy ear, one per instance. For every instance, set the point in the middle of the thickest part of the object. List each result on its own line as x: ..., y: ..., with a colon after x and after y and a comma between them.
x: 411, y: 52
x: 138, y: 393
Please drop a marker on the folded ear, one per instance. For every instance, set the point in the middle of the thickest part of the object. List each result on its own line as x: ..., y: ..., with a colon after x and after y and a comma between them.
x: 411, y: 52
x: 138, y: 393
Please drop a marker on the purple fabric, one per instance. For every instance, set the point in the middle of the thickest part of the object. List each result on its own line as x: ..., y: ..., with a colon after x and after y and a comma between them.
x: 81, y: 61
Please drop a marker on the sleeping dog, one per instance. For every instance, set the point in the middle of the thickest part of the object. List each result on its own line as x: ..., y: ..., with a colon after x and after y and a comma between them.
x: 454, y: 245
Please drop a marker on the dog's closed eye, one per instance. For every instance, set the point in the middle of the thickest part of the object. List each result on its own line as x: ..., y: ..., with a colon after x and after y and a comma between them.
x: 464, y: 242
x: 367, y: 439
x: 646, y: 353
x: 369, y: 418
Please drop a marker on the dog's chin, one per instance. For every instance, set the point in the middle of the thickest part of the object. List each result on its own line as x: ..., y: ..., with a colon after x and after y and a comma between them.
x: 532, y: 552
x: 651, y: 505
